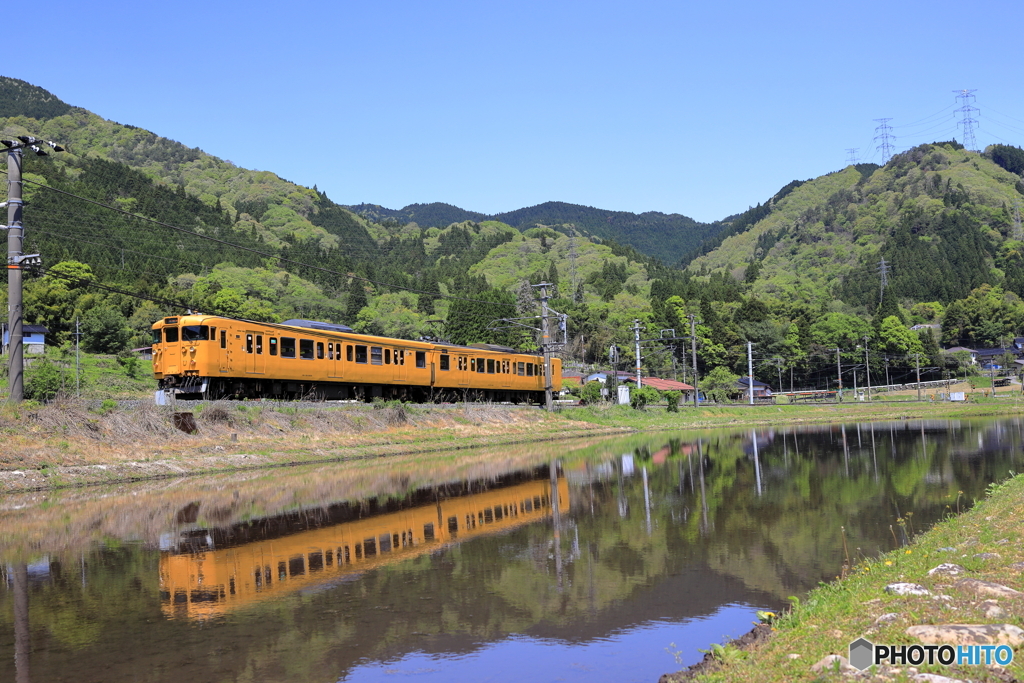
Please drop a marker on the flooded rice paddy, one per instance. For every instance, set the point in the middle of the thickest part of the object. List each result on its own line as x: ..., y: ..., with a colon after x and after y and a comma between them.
x: 614, y: 560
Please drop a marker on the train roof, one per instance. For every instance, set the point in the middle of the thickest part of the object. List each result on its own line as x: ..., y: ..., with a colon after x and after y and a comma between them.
x: 316, y: 325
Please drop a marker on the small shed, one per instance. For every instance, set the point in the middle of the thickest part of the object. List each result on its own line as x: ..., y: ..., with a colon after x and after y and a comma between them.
x: 33, y: 338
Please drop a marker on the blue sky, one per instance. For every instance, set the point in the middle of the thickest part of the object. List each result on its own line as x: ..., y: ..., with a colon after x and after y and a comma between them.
x: 682, y: 107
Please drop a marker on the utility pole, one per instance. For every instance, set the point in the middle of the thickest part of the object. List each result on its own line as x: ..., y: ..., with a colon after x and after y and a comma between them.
x: 917, y: 357
x: 839, y: 374
x: 750, y: 372
x: 693, y: 350
x: 16, y: 261
x: 867, y: 367
x: 546, y: 345
x: 636, y: 336
x: 78, y: 361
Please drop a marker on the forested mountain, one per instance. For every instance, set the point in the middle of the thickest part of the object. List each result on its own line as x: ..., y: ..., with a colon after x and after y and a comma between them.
x: 665, y: 236
x: 133, y: 226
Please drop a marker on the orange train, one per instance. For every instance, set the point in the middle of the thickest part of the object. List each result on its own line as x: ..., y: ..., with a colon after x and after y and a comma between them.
x: 209, y: 583
x: 214, y: 357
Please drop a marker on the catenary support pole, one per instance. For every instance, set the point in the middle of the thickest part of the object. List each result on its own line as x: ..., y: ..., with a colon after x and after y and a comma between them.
x: 693, y: 350
x: 750, y: 371
x: 16, y: 362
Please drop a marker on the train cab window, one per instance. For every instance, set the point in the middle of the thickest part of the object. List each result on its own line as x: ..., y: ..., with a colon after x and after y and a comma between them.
x: 387, y: 356
x: 529, y: 369
x: 248, y: 343
x: 490, y: 366
x: 170, y: 334
x: 223, y: 339
x: 360, y: 353
x: 287, y: 347
x: 157, y: 336
x: 195, y: 333
x: 306, y: 349
x: 273, y: 346
x: 421, y: 359
x: 320, y: 350
x: 259, y: 343
x: 376, y: 355
x: 444, y: 363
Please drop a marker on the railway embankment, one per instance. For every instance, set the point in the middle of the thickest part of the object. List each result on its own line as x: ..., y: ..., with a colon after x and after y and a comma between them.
x: 958, y: 586
x: 71, y: 443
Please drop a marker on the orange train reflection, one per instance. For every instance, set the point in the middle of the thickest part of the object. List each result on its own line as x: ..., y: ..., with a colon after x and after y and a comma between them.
x: 209, y: 584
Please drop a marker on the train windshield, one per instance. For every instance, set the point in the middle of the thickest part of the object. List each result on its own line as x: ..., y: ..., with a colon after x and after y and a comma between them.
x: 195, y: 332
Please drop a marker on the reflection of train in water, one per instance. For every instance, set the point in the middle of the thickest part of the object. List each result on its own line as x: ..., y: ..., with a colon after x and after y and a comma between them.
x: 216, y: 357
x: 206, y: 584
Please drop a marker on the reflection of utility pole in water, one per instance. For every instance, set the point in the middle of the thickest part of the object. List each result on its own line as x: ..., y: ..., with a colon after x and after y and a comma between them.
x: 22, y: 639
x: 703, y: 496
x: 556, y: 521
x: 757, y: 461
x: 874, y: 456
x: 785, y: 449
x: 647, y: 501
x: 846, y: 451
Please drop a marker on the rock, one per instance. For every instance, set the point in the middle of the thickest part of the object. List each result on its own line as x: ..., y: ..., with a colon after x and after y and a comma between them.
x: 793, y: 655
x: 936, y: 678
x: 873, y: 601
x: 1019, y: 566
x: 968, y: 634
x: 887, y: 618
x: 986, y: 589
x: 992, y: 610
x: 828, y: 663
x: 947, y: 569
x: 1002, y: 541
x: 987, y: 556
x: 907, y: 589
x: 945, y: 550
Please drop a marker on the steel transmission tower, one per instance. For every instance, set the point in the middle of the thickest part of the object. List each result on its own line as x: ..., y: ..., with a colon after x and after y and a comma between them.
x: 1018, y: 232
x: 883, y: 270
x: 851, y: 159
x: 967, y: 120
x: 885, y: 138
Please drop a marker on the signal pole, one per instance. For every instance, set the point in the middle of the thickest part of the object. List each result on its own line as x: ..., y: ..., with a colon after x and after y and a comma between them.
x: 16, y: 261
x: 693, y: 350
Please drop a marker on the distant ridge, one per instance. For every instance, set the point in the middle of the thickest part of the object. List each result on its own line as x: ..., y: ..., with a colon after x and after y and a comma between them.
x: 664, y: 236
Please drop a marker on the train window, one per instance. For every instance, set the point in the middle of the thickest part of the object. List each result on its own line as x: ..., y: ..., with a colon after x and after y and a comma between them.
x: 157, y: 337
x: 421, y: 359
x: 529, y: 369
x: 306, y: 349
x: 479, y: 364
x: 259, y: 343
x: 320, y: 350
x: 316, y: 561
x: 453, y: 525
x: 297, y: 566
x: 213, y: 333
x: 248, y: 343
x: 376, y: 355
x: 490, y: 365
x: 472, y: 364
x: 444, y: 362
x: 282, y: 571
x: 195, y: 333
x: 401, y: 356
x: 504, y: 367
x: 223, y: 339
x: 330, y: 351
x: 522, y: 369
x: 387, y: 356
x: 360, y: 353
x: 273, y: 346
x: 359, y: 551
x: 329, y: 558
x: 170, y: 334
x: 428, y: 531
x: 287, y: 347
x: 369, y: 546
x: 348, y: 351
x: 385, y: 543
x: 497, y: 513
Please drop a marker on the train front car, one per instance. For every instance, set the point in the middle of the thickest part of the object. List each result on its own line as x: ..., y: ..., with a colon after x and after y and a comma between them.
x: 183, y: 353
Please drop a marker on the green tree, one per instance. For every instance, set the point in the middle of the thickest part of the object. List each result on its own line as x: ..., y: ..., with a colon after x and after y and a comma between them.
x: 105, y: 330
x: 720, y: 384
x: 895, y: 338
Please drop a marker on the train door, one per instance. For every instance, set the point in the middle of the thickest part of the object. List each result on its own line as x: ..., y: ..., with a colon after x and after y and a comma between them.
x: 255, y: 360
x: 223, y: 353
x: 335, y: 363
x: 172, y: 350
x: 399, y: 358
x: 462, y: 371
x: 506, y: 372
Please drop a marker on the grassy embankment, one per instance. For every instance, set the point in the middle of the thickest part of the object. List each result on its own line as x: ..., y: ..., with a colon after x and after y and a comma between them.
x: 987, y: 542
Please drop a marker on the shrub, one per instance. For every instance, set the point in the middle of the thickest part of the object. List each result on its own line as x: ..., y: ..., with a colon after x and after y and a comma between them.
x: 43, y: 380
x: 673, y: 398
x: 591, y: 393
x: 639, y: 398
